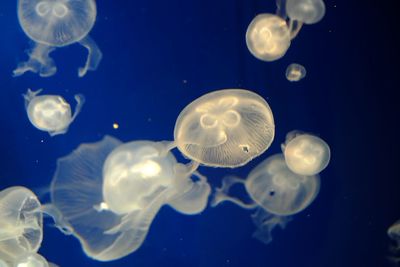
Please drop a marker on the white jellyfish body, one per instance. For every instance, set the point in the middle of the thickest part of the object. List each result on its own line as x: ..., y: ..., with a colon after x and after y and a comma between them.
x: 107, y: 193
x: 305, y: 11
x: 306, y: 154
x: 57, y: 23
x: 225, y: 128
x: 51, y: 113
x: 268, y: 37
x: 295, y: 72
x: 32, y: 260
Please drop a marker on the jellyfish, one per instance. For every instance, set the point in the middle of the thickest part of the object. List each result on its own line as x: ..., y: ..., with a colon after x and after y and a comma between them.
x: 107, y: 193
x: 305, y: 11
x: 306, y: 154
x: 275, y: 192
x: 268, y: 37
x: 51, y: 24
x: 394, y: 234
x: 225, y: 128
x: 295, y: 72
x: 32, y: 260
x: 51, y: 113
x: 21, y: 222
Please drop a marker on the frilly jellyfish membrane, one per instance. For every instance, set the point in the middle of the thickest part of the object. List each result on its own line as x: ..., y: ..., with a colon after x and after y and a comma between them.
x: 106, y: 194
x: 52, y: 24
x: 51, y: 113
x: 225, y: 128
x: 275, y: 192
x: 295, y: 72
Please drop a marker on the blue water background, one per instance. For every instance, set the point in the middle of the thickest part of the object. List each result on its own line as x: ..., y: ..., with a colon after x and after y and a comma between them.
x: 161, y: 55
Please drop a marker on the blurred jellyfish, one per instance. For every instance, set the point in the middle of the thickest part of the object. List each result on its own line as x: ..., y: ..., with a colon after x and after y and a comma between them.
x: 305, y: 11
x: 107, y: 193
x: 394, y: 234
x: 305, y: 154
x: 51, y: 113
x: 295, y: 72
x: 225, y: 128
x: 275, y: 191
x: 53, y: 24
x: 32, y: 260
x: 268, y: 37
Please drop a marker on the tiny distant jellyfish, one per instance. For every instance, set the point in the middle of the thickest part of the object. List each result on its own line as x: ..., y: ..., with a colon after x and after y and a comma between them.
x: 295, y: 72
x: 225, y: 128
x: 305, y: 11
x: 306, y: 154
x: 125, y: 185
x: 54, y: 24
x: 276, y: 193
x: 394, y: 234
x: 268, y: 37
x: 51, y: 113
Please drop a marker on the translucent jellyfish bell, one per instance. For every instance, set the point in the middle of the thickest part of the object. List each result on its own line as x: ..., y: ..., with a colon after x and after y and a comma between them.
x: 51, y: 113
x: 305, y: 11
x: 57, y: 23
x: 32, y: 260
x: 295, y: 72
x: 306, y: 154
x: 268, y: 37
x: 225, y: 128
x: 21, y: 223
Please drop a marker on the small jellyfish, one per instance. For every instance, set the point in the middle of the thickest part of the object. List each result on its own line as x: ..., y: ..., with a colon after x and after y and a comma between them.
x: 125, y: 185
x: 268, y: 37
x: 394, y: 234
x: 21, y: 223
x: 51, y: 113
x: 53, y: 24
x: 306, y: 154
x: 225, y: 128
x: 295, y: 72
x: 305, y: 11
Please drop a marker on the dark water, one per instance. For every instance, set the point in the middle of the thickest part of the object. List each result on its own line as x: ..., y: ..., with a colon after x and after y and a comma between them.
x: 161, y: 55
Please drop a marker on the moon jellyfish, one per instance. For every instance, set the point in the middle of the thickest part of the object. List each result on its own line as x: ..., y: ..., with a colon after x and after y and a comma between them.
x: 306, y: 154
x: 295, y: 72
x: 305, y: 11
x: 21, y: 223
x: 107, y: 193
x: 32, y: 260
x: 51, y: 113
x: 275, y: 192
x: 268, y: 37
x: 53, y: 24
x: 394, y: 234
x: 225, y: 128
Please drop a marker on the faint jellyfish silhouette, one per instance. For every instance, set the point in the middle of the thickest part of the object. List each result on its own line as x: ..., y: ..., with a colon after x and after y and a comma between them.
x: 305, y: 11
x: 275, y: 191
x: 295, y: 72
x: 125, y: 185
x: 225, y: 128
x: 268, y: 37
x: 21, y: 223
x: 53, y: 24
x: 394, y: 234
x: 305, y: 154
x: 51, y: 113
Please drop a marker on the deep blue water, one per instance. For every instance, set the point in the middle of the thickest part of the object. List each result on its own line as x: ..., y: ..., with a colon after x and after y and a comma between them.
x: 161, y: 55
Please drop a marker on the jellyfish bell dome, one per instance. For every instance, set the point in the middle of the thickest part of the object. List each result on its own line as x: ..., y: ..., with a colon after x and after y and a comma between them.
x: 305, y: 11
x: 56, y: 22
x: 225, y: 128
x: 295, y: 72
x: 306, y: 154
x: 31, y: 260
x: 274, y: 187
x: 268, y: 37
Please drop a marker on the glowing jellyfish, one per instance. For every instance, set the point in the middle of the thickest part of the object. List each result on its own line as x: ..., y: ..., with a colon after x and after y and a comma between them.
x: 268, y: 37
x: 295, y: 72
x: 394, y: 234
x: 225, y: 128
x: 306, y: 154
x: 51, y: 113
x: 276, y: 192
x: 20, y: 224
x: 53, y: 24
x: 305, y: 11
x: 32, y: 260
x: 107, y: 193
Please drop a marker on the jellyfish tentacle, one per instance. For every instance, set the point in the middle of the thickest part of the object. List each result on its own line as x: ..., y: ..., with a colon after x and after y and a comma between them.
x: 80, y: 100
x: 281, y: 8
x: 294, y: 28
x: 94, y: 55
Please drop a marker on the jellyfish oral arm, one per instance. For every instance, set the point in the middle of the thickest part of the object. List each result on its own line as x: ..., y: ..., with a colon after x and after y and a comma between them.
x: 39, y: 62
x: 94, y: 56
x: 59, y: 221
x: 294, y: 28
x: 280, y: 8
x: 80, y: 100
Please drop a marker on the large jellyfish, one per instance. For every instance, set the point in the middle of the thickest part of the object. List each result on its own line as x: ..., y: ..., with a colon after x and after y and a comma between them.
x: 107, y: 193
x: 51, y: 113
x: 305, y: 154
x: 225, y: 128
x: 57, y: 23
x: 275, y: 191
x: 295, y: 72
